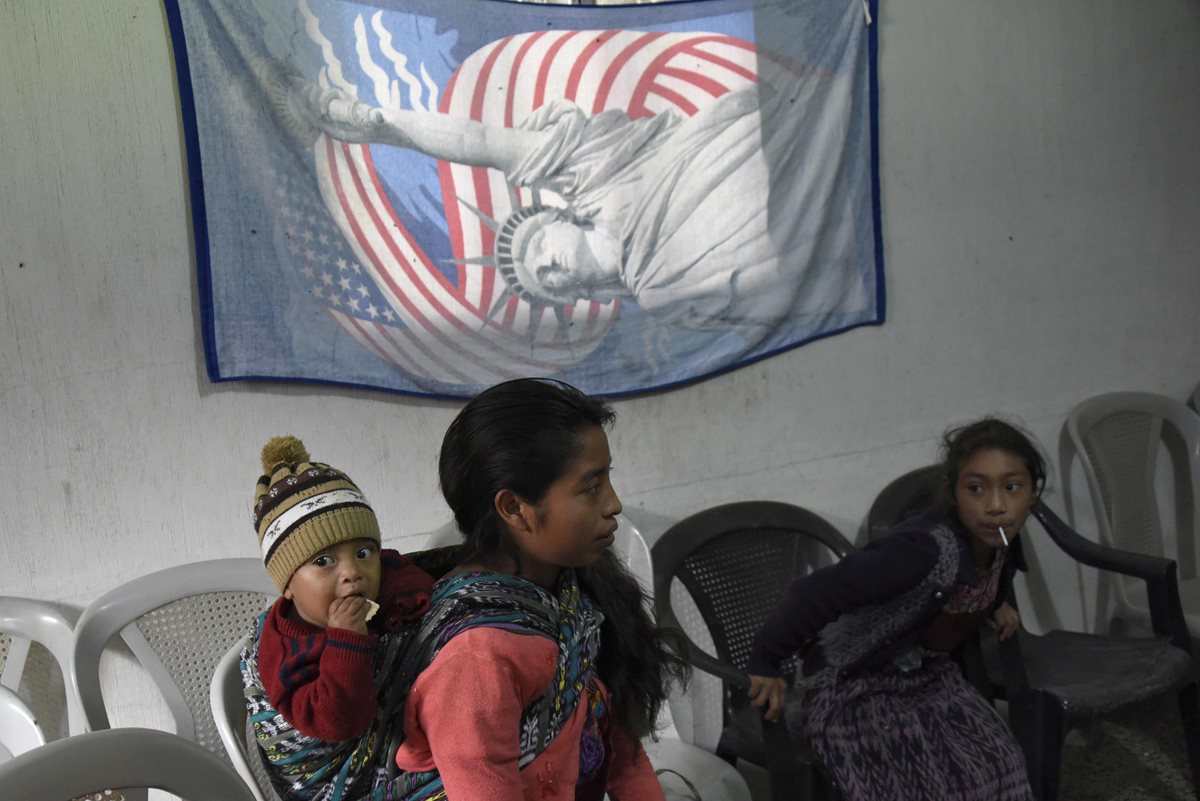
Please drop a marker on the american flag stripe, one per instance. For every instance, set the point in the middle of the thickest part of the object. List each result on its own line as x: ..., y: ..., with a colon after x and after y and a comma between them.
x: 445, y: 325
x: 525, y: 90
x: 447, y: 297
x: 575, y: 88
x: 421, y: 300
x: 442, y: 333
x: 621, y: 64
x: 680, y: 52
x: 422, y: 337
x: 399, y: 347
x: 366, y: 335
x: 685, y: 81
x: 732, y: 55
x: 546, y: 72
x: 522, y: 56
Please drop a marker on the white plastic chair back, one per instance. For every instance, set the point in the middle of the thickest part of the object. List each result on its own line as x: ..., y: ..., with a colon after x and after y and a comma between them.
x: 699, y: 715
x: 631, y: 548
x: 1140, y: 454
x: 122, y: 758
x: 35, y: 663
x: 19, y: 729
x: 228, y: 698
x: 178, y: 622
x: 696, y: 716
x: 675, y: 751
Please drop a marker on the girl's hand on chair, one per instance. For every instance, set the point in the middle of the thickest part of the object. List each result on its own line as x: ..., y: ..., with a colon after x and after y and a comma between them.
x: 771, y: 692
x: 1005, y: 621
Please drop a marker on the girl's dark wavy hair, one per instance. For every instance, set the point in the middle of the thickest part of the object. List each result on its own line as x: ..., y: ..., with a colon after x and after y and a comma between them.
x: 961, y: 443
x: 520, y: 436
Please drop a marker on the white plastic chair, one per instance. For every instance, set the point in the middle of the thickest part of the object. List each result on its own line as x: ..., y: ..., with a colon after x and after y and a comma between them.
x: 1140, y: 453
x: 26, y: 672
x: 178, y: 622
x: 125, y: 758
x: 19, y: 729
x: 699, y: 715
x: 673, y: 754
x: 228, y: 700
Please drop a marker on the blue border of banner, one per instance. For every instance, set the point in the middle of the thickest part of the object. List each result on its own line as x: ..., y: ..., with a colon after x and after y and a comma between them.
x: 195, y: 177
x: 203, y: 265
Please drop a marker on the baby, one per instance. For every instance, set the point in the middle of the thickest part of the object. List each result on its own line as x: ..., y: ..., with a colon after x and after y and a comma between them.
x: 313, y: 654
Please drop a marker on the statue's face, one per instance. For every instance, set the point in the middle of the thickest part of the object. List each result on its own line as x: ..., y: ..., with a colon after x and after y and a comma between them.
x: 561, y: 260
x: 558, y: 256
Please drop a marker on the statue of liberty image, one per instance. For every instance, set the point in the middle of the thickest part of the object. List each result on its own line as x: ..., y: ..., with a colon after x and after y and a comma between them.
x: 732, y: 219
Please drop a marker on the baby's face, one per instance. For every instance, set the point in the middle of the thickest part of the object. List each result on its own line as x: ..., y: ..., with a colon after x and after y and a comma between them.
x: 348, y: 568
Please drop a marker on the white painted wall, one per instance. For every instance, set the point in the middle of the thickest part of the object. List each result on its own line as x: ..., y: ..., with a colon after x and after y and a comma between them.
x: 1040, y: 211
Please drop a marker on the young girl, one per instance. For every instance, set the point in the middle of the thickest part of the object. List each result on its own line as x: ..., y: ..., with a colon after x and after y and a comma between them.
x: 887, y: 711
x: 544, y: 669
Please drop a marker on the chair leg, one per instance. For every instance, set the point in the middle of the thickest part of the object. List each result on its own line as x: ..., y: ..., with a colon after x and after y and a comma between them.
x: 1189, y: 710
x: 787, y: 778
x: 1040, y: 726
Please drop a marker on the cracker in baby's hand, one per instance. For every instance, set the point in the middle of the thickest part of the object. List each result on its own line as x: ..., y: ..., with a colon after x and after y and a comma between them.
x: 374, y: 607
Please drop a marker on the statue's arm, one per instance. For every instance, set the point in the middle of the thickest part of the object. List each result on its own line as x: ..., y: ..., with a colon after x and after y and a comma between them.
x: 442, y: 136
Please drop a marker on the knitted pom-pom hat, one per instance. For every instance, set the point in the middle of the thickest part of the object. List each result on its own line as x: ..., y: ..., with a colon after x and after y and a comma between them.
x: 302, y: 507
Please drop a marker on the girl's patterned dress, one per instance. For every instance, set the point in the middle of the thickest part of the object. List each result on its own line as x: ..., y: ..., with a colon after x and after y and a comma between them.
x: 933, y: 737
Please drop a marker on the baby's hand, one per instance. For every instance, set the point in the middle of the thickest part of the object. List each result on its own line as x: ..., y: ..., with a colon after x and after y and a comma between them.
x: 769, y: 691
x: 350, y: 614
x: 1005, y: 621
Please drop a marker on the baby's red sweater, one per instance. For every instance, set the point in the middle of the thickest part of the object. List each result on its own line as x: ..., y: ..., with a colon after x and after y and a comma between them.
x: 321, y: 680
x: 462, y: 719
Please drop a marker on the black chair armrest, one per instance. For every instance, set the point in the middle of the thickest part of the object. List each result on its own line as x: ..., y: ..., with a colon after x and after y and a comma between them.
x: 1160, y: 575
x: 722, y: 670
x: 696, y: 656
x: 1096, y: 555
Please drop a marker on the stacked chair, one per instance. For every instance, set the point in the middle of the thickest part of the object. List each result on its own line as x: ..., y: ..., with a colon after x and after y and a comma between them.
x: 1140, y: 453
x: 126, y: 758
x: 179, y: 623
x: 37, y: 701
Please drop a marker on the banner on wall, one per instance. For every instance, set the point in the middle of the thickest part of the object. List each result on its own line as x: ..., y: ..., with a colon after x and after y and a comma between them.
x: 431, y: 197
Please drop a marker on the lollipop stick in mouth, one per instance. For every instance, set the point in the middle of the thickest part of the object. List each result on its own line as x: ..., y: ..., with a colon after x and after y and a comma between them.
x: 1003, y: 538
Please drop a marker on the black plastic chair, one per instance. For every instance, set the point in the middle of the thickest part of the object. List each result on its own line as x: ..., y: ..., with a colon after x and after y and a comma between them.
x: 736, y: 561
x: 908, y: 496
x: 1059, y: 680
